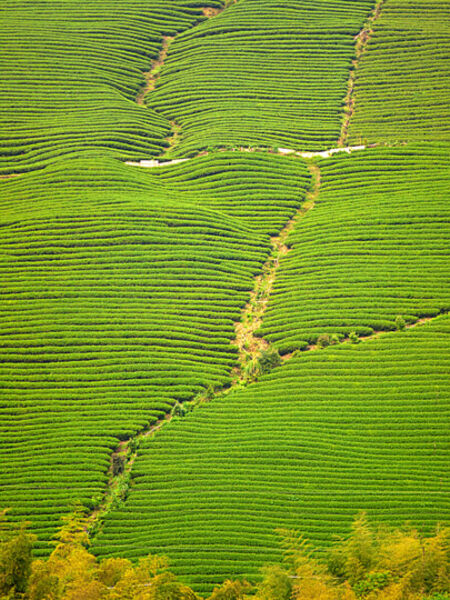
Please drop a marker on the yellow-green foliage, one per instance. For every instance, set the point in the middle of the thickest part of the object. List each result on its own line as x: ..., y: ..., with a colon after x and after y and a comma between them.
x: 370, y: 564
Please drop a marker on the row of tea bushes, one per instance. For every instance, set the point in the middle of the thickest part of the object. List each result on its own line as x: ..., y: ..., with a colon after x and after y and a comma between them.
x: 120, y: 293
x: 71, y: 71
x: 373, y: 248
x: 262, y: 73
x: 402, y: 84
x: 331, y: 432
x: 260, y: 190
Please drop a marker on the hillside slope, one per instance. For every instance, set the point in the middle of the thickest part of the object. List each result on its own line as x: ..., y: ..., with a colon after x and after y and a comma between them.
x: 327, y: 434
x: 402, y: 85
x: 120, y: 296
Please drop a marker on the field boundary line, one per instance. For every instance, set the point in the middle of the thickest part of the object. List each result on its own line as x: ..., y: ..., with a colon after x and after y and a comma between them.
x: 250, y: 346
x: 151, y: 76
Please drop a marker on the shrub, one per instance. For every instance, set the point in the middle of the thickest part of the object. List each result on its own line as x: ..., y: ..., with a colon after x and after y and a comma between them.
x: 323, y: 340
x: 268, y: 360
x: 353, y: 337
x: 15, y: 563
x: 400, y: 323
x: 118, y: 464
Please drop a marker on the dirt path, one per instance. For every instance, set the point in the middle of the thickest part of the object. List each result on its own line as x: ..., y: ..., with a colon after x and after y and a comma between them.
x: 162, y: 162
x: 362, y: 41
x: 126, y: 453
x: 118, y: 486
x: 249, y: 345
x: 377, y: 333
x: 152, y: 75
x: 152, y: 163
x: 249, y: 348
x: 10, y: 175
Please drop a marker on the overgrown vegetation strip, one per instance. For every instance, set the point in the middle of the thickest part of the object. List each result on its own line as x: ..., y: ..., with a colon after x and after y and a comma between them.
x: 152, y: 75
x: 126, y: 286
x: 362, y: 41
x: 251, y: 348
x: 256, y: 355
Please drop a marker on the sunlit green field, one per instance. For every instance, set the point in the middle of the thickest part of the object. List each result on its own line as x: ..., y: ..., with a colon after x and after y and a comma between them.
x: 123, y: 287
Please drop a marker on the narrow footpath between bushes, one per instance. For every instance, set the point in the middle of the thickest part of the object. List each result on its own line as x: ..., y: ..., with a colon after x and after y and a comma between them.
x: 152, y: 74
x: 361, y: 43
x: 250, y: 346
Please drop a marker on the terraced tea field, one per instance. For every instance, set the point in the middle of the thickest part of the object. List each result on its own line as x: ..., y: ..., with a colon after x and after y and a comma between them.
x: 263, y: 73
x: 120, y: 297
x: 402, y: 82
x: 71, y: 72
x: 372, y: 249
x: 133, y: 297
x: 328, y: 434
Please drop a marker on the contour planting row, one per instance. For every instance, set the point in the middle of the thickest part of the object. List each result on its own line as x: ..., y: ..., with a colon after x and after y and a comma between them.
x: 262, y: 73
x: 118, y: 300
x: 402, y: 86
x: 70, y: 74
x: 373, y: 248
x: 259, y: 191
x: 327, y: 434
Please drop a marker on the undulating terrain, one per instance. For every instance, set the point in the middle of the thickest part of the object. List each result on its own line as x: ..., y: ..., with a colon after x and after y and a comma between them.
x: 292, y: 198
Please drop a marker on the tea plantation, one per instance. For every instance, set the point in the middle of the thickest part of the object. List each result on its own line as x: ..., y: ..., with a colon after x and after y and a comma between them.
x: 120, y: 294
x: 326, y: 435
x: 263, y: 73
x: 70, y: 74
x: 127, y: 291
x: 373, y: 248
x: 402, y: 83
